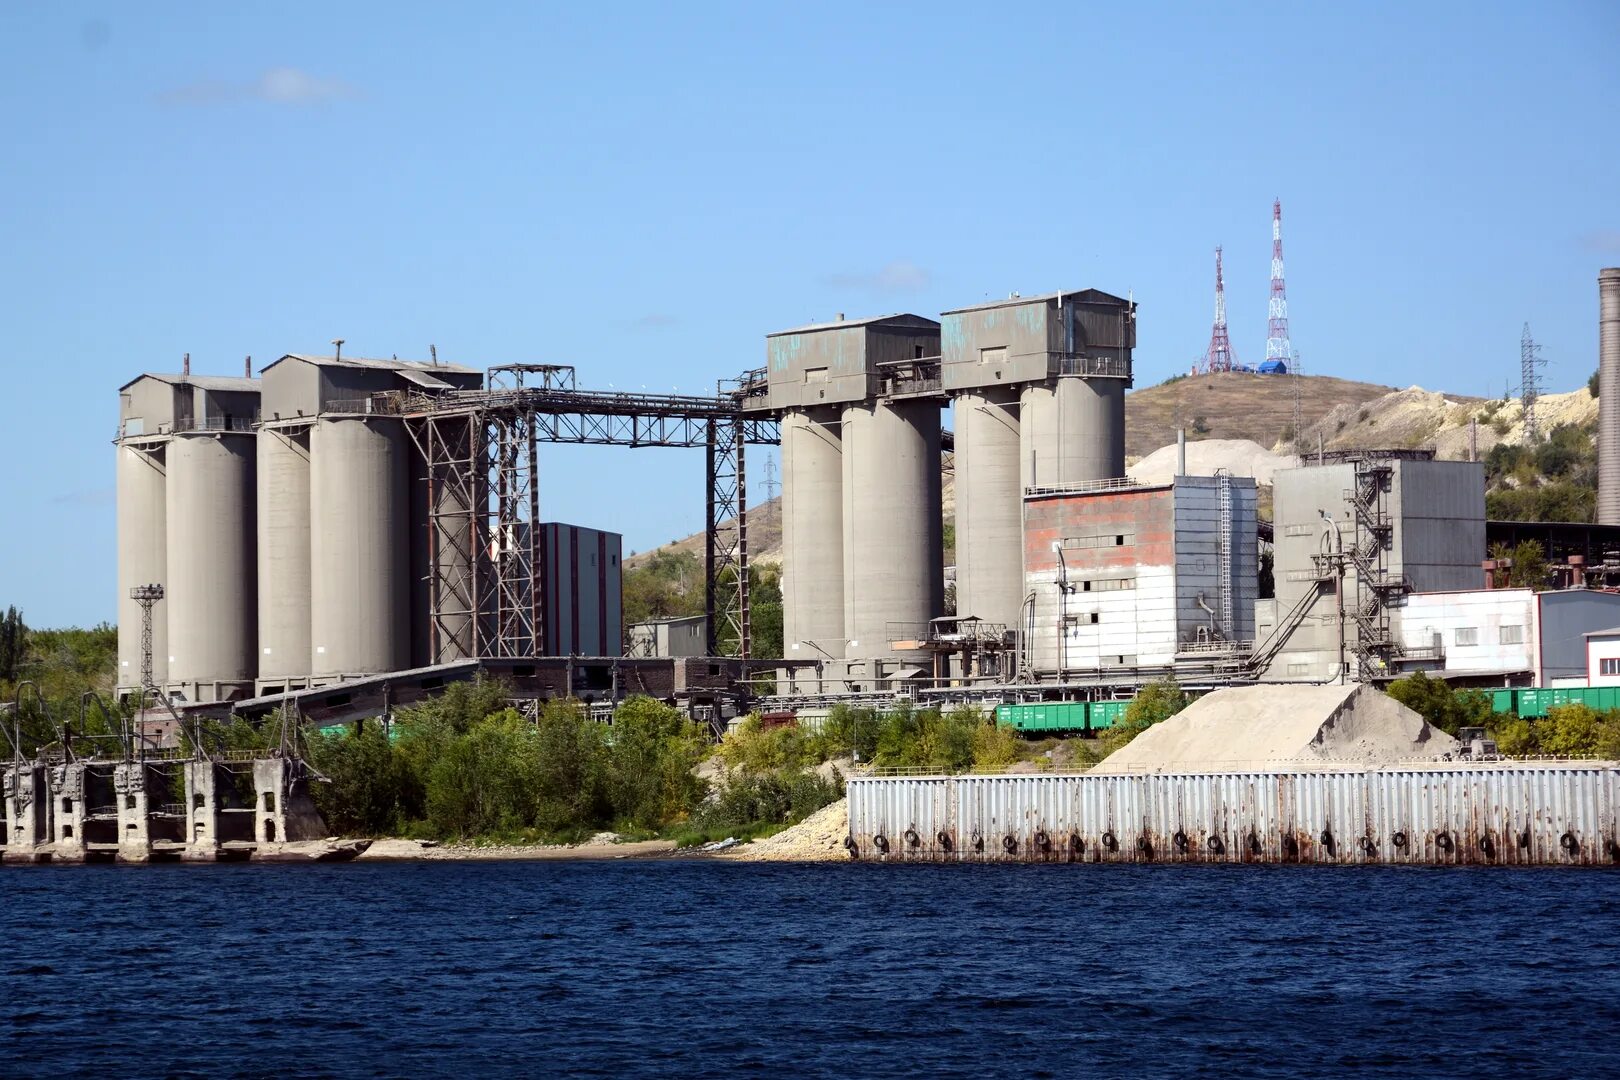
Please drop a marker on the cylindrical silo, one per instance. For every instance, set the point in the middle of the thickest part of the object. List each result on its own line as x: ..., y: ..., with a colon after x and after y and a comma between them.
x: 359, y: 546
x: 1072, y: 431
x: 284, y: 616
x: 1608, y: 502
x: 142, y: 559
x: 211, y: 595
x: 892, y: 543
x: 989, y: 507
x: 812, y: 535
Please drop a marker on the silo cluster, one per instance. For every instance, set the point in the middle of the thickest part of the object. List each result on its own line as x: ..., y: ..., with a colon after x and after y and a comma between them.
x: 1039, y: 390
x: 186, y: 521
x: 220, y: 482
x: 861, y: 528
x: 1039, y: 387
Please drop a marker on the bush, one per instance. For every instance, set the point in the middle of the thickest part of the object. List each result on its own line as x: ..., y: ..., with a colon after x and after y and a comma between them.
x: 1445, y: 708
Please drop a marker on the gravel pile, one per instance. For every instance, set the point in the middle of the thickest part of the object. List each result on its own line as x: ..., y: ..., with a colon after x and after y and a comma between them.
x: 1267, y: 726
x: 818, y: 838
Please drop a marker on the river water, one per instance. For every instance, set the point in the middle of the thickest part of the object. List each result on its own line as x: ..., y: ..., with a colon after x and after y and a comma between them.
x: 700, y: 968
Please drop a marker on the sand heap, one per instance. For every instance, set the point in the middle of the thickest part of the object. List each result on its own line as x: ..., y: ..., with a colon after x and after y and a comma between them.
x: 1240, y: 457
x: 1252, y: 727
x: 818, y: 838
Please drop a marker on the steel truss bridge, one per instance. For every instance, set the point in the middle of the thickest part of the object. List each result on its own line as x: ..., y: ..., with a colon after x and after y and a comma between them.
x: 485, y: 547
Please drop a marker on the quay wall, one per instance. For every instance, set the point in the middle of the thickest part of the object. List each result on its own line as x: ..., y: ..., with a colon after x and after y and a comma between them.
x: 1552, y: 814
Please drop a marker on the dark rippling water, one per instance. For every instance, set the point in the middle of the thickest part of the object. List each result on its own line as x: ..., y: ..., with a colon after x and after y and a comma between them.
x: 693, y: 968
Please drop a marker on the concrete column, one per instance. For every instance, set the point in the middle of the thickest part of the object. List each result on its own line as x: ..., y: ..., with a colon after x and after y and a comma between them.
x: 68, y: 812
x: 134, y: 828
x: 28, y: 814
x: 202, y: 812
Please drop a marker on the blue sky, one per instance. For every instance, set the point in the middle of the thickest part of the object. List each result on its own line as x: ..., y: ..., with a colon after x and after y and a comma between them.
x: 646, y: 191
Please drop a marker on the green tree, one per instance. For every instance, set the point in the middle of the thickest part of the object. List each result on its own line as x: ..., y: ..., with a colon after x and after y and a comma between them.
x: 1593, y: 382
x: 1528, y: 567
x: 1570, y: 731
x: 13, y: 644
x: 1447, y: 709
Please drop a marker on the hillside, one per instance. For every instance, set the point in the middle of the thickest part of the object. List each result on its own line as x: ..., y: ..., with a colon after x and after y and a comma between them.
x: 1259, y: 408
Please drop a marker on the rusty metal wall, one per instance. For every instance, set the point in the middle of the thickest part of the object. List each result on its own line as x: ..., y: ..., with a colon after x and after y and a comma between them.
x: 1509, y: 814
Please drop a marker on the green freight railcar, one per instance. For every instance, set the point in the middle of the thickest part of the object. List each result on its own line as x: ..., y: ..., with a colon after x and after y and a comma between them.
x: 1532, y: 703
x: 1044, y: 717
x: 1062, y: 717
x: 1105, y: 714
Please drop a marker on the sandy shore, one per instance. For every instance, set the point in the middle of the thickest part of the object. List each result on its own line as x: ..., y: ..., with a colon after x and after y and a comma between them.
x: 419, y: 851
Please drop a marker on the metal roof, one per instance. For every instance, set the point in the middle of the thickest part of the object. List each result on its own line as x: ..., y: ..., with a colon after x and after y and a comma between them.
x: 214, y: 383
x: 1602, y: 633
x: 424, y: 380
x: 374, y: 365
x: 1086, y: 296
x: 898, y: 318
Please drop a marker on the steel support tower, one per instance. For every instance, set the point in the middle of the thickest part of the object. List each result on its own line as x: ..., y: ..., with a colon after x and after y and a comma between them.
x: 1278, y: 345
x: 1530, y: 360
x: 480, y: 448
x: 1218, y: 356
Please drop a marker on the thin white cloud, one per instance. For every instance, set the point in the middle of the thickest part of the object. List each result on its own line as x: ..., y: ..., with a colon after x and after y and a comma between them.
x: 899, y: 276
x: 1602, y: 241
x: 276, y: 86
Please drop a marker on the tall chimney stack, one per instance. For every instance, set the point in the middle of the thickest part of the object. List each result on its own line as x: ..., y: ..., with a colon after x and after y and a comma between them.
x: 247, y: 366
x: 1608, y: 500
x: 185, y: 365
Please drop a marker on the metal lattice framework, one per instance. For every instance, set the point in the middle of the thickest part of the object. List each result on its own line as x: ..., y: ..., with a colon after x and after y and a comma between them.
x: 482, y: 473
x: 1218, y: 356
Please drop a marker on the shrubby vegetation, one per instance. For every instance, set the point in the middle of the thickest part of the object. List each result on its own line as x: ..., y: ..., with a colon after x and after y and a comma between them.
x: 465, y: 765
x: 1155, y: 703
x: 1554, y: 480
x: 1566, y: 730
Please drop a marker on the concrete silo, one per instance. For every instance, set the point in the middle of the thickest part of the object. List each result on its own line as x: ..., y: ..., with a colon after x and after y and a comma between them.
x: 360, y: 619
x: 892, y: 528
x: 142, y: 555
x: 1072, y: 432
x: 860, y: 482
x: 989, y: 513
x: 1039, y: 387
x: 813, y: 532
x: 284, y: 554
x: 211, y: 593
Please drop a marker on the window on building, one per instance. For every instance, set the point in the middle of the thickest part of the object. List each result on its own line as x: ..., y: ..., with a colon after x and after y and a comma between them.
x: 1466, y: 635
x: 992, y: 356
x: 1119, y: 541
x: 1094, y: 617
x: 1299, y: 669
x: 1609, y: 665
x: 1512, y: 635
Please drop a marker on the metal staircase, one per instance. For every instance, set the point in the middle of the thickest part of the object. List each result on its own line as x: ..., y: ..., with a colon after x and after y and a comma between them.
x: 1377, y: 590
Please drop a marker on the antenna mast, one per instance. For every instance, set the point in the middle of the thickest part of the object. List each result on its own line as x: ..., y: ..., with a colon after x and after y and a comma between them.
x: 1218, y: 357
x: 1278, y: 347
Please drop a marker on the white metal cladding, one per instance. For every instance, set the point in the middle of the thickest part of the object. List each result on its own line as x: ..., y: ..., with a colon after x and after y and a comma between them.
x: 1558, y: 814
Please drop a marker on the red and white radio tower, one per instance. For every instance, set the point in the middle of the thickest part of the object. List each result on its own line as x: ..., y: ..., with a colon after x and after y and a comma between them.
x: 1278, y: 347
x: 1219, y: 355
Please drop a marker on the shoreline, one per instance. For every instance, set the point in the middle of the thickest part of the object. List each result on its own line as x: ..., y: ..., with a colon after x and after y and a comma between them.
x: 398, y: 850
